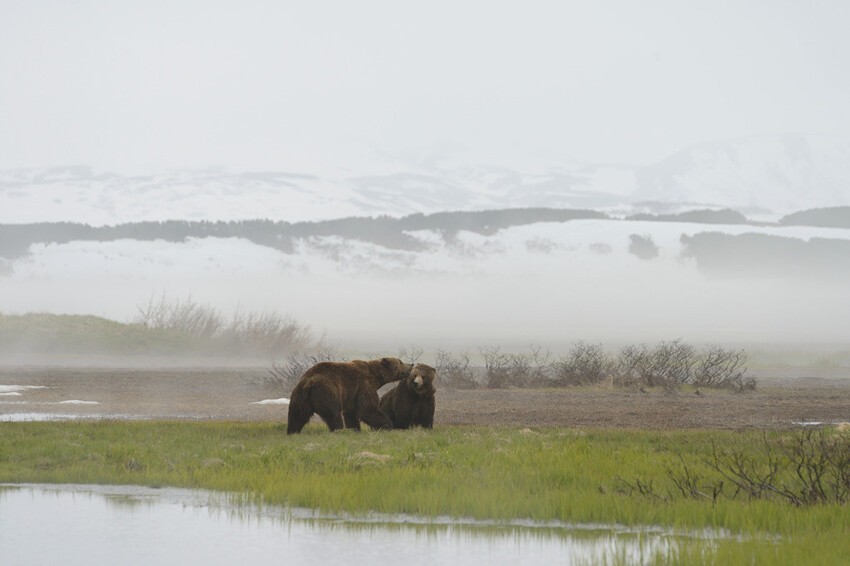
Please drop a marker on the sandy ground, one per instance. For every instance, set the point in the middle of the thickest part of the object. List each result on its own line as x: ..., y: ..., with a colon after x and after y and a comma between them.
x: 784, y: 397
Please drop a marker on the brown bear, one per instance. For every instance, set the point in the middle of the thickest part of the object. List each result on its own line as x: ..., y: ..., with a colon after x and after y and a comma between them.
x: 411, y: 403
x: 344, y: 393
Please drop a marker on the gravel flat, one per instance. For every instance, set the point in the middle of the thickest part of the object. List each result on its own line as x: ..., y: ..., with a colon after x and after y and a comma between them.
x: 784, y: 398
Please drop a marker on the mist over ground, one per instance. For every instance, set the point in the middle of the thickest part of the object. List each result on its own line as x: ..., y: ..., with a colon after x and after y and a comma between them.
x: 204, y: 114
x: 544, y: 283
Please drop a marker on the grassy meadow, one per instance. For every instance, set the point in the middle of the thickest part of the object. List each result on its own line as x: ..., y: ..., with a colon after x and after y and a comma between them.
x: 480, y: 472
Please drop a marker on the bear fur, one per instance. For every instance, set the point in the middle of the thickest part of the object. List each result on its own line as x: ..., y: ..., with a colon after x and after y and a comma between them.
x: 411, y: 403
x: 344, y: 393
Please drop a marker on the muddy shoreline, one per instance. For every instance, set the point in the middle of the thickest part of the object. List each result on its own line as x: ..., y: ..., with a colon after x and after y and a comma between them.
x: 784, y: 398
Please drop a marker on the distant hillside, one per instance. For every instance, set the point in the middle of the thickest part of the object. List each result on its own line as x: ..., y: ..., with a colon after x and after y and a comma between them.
x: 705, y: 216
x: 758, y: 174
x: 51, y: 333
x: 254, y: 335
x: 762, y: 255
x: 766, y: 175
x: 834, y: 217
x: 15, y: 239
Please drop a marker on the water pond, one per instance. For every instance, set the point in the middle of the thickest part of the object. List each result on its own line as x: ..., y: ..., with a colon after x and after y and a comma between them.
x: 91, y: 525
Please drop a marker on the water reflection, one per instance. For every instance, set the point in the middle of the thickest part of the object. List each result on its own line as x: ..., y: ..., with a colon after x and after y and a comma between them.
x: 47, y: 524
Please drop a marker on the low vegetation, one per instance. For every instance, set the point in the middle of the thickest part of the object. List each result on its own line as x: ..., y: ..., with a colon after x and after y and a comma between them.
x: 266, y: 332
x: 667, y: 364
x: 488, y: 473
x: 163, y: 326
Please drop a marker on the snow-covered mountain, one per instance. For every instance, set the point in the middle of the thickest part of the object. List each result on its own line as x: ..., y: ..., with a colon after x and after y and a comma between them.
x: 754, y: 175
x: 764, y: 176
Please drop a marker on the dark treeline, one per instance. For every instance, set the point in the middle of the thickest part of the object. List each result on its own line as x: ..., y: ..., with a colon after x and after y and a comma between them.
x: 834, y: 217
x: 15, y: 239
x: 716, y: 253
x: 725, y: 216
x: 762, y: 255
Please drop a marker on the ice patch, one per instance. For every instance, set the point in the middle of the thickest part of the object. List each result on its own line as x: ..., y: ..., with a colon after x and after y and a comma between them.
x: 78, y: 402
x: 11, y: 394
x: 281, y: 401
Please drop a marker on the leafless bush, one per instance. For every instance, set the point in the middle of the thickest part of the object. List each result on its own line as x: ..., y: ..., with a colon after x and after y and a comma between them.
x: 812, y: 467
x: 503, y: 369
x: 672, y: 363
x: 586, y: 364
x: 410, y: 354
x: 723, y: 368
x: 668, y: 365
x: 264, y: 333
x: 454, y: 371
x: 540, y: 366
x: 287, y: 373
x: 497, y: 367
x: 633, y: 366
x: 185, y: 316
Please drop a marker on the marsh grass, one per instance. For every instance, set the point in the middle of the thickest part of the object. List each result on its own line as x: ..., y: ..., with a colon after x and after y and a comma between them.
x: 485, y: 473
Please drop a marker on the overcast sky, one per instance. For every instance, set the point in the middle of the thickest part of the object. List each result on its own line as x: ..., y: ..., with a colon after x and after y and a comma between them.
x: 128, y: 85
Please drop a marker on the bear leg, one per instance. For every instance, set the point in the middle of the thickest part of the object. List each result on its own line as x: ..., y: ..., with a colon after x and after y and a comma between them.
x: 299, y: 414
x: 376, y: 419
x: 332, y: 418
x: 351, y: 420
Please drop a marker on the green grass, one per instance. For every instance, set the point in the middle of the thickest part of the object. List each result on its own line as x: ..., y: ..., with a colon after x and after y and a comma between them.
x: 486, y: 473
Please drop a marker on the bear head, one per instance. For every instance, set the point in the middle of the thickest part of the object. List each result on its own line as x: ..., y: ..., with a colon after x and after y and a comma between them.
x: 422, y: 379
x: 394, y: 369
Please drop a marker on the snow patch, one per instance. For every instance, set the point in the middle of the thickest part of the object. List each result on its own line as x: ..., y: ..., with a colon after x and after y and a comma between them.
x: 17, y: 389
x: 281, y: 401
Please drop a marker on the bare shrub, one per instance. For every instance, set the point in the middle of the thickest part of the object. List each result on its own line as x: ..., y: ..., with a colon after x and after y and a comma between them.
x: 812, y: 467
x: 586, y: 364
x: 410, y: 354
x: 540, y: 366
x: 672, y: 363
x: 264, y: 333
x: 186, y: 316
x: 723, y: 368
x: 287, y: 373
x: 503, y: 369
x: 454, y: 370
x: 668, y: 365
x: 633, y: 366
x: 498, y: 368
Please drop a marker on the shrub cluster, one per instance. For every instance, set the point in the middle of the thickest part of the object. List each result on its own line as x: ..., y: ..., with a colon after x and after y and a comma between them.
x: 667, y: 364
x: 263, y: 333
x: 809, y: 467
x: 287, y: 373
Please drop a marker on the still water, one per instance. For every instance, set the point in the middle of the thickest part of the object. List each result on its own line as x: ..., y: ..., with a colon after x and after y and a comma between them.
x: 93, y: 525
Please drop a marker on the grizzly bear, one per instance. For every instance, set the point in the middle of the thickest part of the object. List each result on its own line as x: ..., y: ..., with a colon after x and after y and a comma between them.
x: 344, y: 393
x: 411, y: 403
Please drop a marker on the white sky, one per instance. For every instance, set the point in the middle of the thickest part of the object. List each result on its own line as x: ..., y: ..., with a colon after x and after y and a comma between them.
x: 129, y: 85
